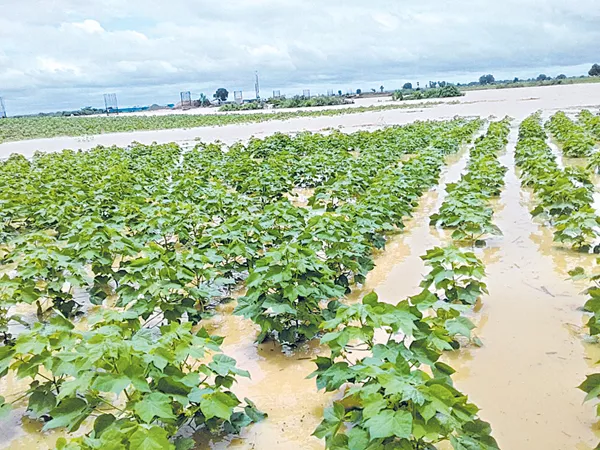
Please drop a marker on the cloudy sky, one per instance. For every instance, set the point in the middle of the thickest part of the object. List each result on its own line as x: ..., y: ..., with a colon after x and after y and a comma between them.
x: 64, y: 54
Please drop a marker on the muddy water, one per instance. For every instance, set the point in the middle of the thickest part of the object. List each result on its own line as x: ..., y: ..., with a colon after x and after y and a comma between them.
x: 525, y: 376
x: 279, y: 385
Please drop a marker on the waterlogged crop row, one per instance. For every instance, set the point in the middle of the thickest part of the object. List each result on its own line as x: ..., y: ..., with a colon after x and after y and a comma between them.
x: 573, y: 139
x: 564, y: 197
x: 156, y: 237
x: 466, y: 208
x: 386, y: 359
x: 347, y: 216
x: 591, y: 385
x: 398, y: 394
x: 591, y: 122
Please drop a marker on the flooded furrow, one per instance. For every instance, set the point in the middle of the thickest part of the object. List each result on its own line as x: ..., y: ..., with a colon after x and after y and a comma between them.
x: 279, y: 385
x: 524, y: 377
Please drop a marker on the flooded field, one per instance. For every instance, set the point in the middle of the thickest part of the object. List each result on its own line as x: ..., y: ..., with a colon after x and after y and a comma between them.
x: 517, y: 103
x: 534, y: 353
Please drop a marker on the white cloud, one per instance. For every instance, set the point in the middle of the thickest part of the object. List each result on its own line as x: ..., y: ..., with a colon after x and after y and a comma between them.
x: 147, y: 51
x: 89, y: 26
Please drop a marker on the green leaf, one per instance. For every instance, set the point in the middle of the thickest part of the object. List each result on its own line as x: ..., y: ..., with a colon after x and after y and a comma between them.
x: 591, y: 386
x: 223, y: 365
x: 109, y: 382
x: 218, y: 405
x: 41, y: 402
x: 461, y: 326
x: 390, y: 423
x: 5, y: 408
x: 358, y: 439
x: 155, y: 438
x: 68, y: 413
x: 154, y: 405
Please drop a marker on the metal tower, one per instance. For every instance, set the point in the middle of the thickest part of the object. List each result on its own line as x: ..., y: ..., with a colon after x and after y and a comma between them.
x: 2, y: 109
x: 110, y: 104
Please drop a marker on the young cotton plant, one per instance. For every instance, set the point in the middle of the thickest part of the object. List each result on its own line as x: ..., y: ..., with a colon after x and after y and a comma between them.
x: 591, y: 385
x: 46, y: 273
x: 286, y: 291
x: 455, y: 275
x: 399, y: 395
x: 138, y: 386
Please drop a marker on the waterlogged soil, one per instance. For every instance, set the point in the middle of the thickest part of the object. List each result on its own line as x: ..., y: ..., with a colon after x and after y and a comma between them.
x: 523, y: 377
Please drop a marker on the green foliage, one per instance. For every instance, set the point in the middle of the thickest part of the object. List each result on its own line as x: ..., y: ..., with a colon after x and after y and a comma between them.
x: 564, y: 197
x: 591, y: 385
x: 573, y: 139
x: 151, y: 238
x: 591, y: 123
x: 302, y: 102
x: 129, y: 377
x: 248, y: 106
x: 285, y: 291
x: 221, y: 94
x: 466, y: 209
x: 398, y: 395
x: 456, y: 273
x: 17, y: 129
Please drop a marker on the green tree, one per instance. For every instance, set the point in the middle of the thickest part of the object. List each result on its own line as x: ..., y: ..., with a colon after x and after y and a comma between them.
x: 594, y: 71
x: 221, y: 94
x: 486, y: 79
x: 203, y: 100
x: 358, y: 91
x: 407, y: 86
x: 340, y: 92
x: 562, y: 76
x: 542, y: 77
x: 381, y: 88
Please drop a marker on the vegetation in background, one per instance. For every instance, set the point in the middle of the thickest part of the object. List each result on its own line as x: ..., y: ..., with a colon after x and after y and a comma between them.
x: 13, y: 129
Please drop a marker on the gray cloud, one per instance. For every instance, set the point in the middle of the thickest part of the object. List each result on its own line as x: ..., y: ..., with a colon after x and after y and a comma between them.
x: 66, y: 53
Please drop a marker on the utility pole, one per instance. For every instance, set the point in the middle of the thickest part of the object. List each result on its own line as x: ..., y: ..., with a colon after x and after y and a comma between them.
x: 2, y: 109
x: 256, y: 85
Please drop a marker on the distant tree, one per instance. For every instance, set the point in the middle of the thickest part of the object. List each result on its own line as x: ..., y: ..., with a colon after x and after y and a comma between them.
x: 381, y: 88
x: 442, y: 84
x: 373, y: 90
x: 516, y: 80
x: 486, y: 79
x: 340, y: 93
x: 432, y: 84
x: 221, y: 94
x: 407, y: 86
x: 562, y: 76
x: 358, y: 91
x: 203, y: 100
x: 594, y: 71
x: 542, y: 77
